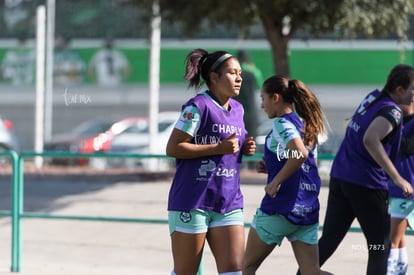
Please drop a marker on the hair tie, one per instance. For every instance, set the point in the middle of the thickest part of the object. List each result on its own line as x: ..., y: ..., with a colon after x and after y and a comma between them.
x: 203, y: 58
x: 291, y: 84
x: 290, y: 91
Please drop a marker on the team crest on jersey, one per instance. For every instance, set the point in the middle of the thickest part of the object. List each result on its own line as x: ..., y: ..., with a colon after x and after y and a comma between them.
x: 403, y: 205
x: 185, y: 217
x: 396, y: 114
x: 188, y: 115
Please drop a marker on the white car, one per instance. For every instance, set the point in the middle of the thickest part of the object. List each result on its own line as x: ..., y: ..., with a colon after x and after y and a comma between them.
x: 8, y: 140
x: 136, y: 140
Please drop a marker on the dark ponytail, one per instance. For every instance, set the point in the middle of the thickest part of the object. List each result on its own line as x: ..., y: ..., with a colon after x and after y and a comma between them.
x: 305, y: 103
x: 200, y: 63
x: 193, y: 61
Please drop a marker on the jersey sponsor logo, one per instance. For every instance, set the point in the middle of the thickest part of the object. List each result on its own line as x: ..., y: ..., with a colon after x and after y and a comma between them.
x: 224, y: 172
x: 301, y: 210
x: 185, y: 217
x: 209, y: 166
x: 354, y: 126
x: 226, y: 129
x: 206, y: 166
x: 308, y: 187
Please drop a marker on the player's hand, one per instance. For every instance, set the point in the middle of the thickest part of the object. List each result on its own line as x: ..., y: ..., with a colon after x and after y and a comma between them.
x: 230, y: 145
x: 249, y: 147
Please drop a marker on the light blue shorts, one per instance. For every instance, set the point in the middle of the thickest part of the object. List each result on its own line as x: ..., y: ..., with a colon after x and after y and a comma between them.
x: 199, y: 221
x: 402, y: 209
x: 272, y: 229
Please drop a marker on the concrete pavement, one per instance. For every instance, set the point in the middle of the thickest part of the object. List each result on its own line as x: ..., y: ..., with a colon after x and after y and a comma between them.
x: 68, y: 247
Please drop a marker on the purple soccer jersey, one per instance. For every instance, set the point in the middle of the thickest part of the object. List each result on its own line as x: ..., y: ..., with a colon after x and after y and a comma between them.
x: 353, y: 163
x: 297, y: 198
x: 404, y: 165
x: 210, y: 183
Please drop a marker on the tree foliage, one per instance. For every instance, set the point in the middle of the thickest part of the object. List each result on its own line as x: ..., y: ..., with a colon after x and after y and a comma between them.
x: 282, y: 19
x: 375, y: 18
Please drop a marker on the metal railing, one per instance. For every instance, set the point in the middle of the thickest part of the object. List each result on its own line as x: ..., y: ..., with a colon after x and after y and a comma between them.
x: 17, y: 212
x: 17, y: 201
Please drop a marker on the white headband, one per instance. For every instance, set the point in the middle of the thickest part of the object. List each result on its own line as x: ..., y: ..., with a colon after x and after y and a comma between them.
x: 218, y: 62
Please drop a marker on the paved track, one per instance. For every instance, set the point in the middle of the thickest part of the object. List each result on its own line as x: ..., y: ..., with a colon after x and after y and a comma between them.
x: 67, y: 247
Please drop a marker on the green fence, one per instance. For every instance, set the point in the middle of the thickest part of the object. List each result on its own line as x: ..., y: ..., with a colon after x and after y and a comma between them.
x: 17, y: 212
